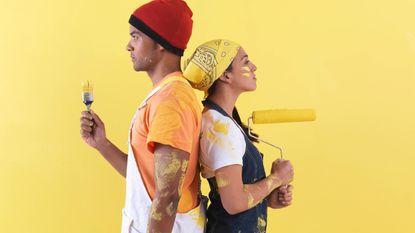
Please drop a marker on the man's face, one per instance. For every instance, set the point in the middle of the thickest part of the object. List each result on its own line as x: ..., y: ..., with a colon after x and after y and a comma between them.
x: 142, y: 50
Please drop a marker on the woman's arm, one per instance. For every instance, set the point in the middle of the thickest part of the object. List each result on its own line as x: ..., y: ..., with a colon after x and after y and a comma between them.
x: 237, y: 197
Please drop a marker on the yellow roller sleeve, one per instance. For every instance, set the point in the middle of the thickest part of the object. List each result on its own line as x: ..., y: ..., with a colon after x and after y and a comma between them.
x: 283, y: 115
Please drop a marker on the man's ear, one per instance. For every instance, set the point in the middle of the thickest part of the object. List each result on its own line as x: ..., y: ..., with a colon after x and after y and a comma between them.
x: 226, y: 77
x: 159, y: 47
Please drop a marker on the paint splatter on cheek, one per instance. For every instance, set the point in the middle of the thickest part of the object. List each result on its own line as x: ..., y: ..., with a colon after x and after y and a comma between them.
x: 246, y: 72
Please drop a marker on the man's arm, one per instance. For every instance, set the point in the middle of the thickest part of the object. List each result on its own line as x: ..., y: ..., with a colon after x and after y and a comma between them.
x: 93, y: 133
x: 170, y: 166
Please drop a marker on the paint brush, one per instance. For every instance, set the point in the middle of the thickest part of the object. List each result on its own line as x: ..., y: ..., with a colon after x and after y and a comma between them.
x: 87, y: 95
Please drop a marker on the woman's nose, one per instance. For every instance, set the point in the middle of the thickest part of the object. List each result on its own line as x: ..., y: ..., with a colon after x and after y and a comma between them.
x: 253, y: 67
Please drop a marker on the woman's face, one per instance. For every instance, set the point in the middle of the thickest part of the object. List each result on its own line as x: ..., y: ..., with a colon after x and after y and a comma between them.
x: 243, y: 72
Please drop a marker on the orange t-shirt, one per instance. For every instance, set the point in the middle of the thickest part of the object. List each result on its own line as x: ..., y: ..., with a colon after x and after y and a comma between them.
x: 172, y: 116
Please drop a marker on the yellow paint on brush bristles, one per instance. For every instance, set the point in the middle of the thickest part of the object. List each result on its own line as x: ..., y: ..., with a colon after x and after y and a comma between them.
x: 87, y: 94
x: 87, y: 86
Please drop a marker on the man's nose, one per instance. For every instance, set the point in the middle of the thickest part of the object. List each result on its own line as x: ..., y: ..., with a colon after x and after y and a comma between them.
x: 129, y: 47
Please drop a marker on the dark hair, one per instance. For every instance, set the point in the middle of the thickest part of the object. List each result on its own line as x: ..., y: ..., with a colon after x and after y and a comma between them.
x: 235, y: 114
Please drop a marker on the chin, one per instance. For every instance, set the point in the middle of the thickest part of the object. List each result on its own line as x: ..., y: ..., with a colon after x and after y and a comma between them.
x: 137, y: 67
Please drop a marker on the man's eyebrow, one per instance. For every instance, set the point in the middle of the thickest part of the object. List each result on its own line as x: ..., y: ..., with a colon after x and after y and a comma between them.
x: 246, y: 56
x: 133, y: 33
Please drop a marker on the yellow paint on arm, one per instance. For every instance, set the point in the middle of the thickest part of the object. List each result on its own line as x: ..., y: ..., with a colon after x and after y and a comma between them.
x: 170, y: 165
x: 170, y: 209
x: 154, y: 215
x: 250, y: 198
x: 182, y: 177
x: 221, y: 180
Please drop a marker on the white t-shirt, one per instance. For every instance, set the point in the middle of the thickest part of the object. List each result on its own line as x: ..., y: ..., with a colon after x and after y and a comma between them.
x: 221, y: 144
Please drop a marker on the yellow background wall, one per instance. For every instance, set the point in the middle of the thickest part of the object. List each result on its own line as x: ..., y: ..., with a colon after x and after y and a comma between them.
x: 353, y: 61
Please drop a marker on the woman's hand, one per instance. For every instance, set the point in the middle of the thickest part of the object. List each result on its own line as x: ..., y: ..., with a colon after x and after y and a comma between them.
x: 281, y: 197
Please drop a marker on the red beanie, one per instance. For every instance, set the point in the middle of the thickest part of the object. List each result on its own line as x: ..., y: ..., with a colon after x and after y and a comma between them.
x: 168, y: 22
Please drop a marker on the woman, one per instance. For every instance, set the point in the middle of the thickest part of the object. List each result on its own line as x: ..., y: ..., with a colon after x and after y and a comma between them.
x: 240, y: 191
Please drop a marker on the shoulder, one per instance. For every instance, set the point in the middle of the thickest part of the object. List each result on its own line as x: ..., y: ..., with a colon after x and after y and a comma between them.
x: 180, y: 93
x: 222, y: 128
x: 221, y: 143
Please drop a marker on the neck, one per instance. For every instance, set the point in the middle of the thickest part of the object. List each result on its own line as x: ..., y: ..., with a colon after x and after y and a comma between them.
x: 225, y: 98
x: 168, y: 64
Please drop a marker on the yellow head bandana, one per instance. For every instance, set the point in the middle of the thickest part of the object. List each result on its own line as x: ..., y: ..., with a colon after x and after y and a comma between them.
x: 208, y: 63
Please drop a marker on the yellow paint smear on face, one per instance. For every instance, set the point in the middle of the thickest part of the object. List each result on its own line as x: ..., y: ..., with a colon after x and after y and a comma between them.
x: 246, y: 72
x: 246, y: 68
x: 221, y: 128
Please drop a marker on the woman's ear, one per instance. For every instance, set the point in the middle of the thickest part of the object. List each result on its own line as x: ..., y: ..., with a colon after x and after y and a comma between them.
x: 226, y: 77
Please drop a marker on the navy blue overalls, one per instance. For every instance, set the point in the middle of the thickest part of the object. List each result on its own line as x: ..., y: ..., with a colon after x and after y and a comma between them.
x: 250, y: 221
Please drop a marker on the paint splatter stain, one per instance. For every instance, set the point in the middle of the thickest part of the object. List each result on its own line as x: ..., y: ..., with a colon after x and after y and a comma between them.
x: 169, y: 209
x: 262, y: 225
x: 221, y: 128
x: 221, y: 182
x: 269, y: 184
x: 250, y: 201
x: 198, y: 217
x: 214, y: 139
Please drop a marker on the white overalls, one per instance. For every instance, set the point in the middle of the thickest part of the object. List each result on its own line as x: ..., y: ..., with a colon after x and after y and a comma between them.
x: 138, y: 202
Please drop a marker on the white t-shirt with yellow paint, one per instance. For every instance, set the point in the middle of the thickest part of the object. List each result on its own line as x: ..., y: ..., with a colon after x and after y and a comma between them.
x: 221, y: 143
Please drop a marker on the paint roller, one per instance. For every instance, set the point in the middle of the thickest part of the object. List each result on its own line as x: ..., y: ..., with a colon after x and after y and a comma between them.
x: 279, y: 116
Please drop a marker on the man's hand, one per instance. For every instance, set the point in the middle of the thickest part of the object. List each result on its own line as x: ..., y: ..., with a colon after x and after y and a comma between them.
x: 92, y: 129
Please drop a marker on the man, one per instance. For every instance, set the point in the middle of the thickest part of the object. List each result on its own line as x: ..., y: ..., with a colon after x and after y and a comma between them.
x: 161, y: 168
